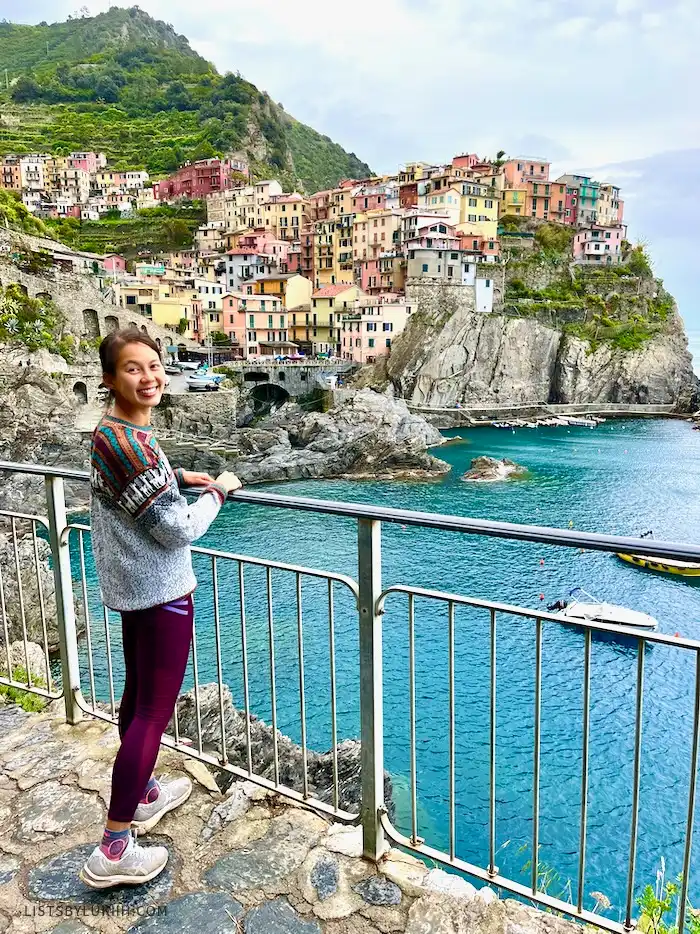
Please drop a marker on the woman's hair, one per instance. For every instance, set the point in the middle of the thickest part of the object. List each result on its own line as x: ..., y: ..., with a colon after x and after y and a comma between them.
x: 111, y: 347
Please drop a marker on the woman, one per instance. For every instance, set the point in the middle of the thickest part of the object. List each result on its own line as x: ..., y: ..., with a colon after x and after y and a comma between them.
x: 142, y: 528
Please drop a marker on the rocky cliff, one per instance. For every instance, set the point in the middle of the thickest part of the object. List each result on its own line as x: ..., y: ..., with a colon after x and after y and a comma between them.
x: 488, y: 359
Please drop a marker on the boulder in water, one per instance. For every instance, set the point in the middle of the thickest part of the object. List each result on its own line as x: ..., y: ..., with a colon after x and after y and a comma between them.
x: 489, y: 469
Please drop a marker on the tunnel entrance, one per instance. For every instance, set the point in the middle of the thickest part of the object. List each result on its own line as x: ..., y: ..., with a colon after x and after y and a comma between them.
x: 268, y: 398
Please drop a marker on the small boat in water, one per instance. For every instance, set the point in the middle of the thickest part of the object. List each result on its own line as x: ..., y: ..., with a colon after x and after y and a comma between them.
x: 589, y: 608
x: 663, y: 565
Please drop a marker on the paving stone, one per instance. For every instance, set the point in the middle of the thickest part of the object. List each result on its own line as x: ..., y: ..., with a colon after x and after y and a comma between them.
x: 55, y: 760
x: 448, y: 883
x: 200, y: 773
x: 199, y: 913
x: 16, y: 739
x: 324, y: 877
x: 56, y: 880
x: 8, y: 867
x: 406, y: 871
x: 12, y: 717
x: 439, y: 914
x: 345, y: 840
x: 53, y: 808
x: 340, y: 901
x: 376, y: 890
x: 71, y: 927
x: 278, y: 917
x: 265, y: 861
x: 96, y: 776
x: 235, y: 805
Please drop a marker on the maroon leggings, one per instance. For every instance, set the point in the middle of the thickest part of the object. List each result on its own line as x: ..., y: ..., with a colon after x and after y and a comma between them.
x: 156, y: 648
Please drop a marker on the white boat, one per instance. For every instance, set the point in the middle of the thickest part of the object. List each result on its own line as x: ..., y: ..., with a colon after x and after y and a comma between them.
x: 586, y: 607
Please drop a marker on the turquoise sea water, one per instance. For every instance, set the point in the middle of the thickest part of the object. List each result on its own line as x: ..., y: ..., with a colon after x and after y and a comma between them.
x: 623, y: 477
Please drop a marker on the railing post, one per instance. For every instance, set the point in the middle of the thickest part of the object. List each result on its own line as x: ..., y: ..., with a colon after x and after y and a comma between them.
x: 65, y: 607
x: 371, y: 704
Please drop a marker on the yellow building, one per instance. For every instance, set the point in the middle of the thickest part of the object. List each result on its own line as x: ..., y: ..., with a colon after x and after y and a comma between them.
x: 324, y: 253
x: 285, y: 215
x: 328, y: 305
x: 292, y: 288
x: 513, y: 201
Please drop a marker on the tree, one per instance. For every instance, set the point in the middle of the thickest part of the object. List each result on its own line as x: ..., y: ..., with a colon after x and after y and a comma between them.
x: 26, y: 90
x: 218, y: 338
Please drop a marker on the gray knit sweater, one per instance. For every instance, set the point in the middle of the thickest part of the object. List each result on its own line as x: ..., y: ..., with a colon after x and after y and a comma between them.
x: 142, y: 526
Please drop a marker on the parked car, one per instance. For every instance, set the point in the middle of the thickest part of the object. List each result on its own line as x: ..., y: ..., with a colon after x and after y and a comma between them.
x: 197, y: 383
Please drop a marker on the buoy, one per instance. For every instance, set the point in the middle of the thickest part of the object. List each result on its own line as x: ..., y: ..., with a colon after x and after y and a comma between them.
x: 541, y: 596
x: 541, y: 562
x: 676, y: 635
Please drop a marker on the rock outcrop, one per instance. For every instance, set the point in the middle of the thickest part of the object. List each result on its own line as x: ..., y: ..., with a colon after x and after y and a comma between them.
x: 489, y: 469
x: 319, y: 766
x: 489, y: 359
x: 368, y: 435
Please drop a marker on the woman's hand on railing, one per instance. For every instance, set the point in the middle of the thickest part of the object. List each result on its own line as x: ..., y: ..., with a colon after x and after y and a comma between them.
x: 229, y: 481
x: 192, y: 478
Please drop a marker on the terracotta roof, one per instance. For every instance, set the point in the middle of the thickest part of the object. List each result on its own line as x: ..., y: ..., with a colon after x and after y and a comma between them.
x: 330, y: 291
x: 241, y: 252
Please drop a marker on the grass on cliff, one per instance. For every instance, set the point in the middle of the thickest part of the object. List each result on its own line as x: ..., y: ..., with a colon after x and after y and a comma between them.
x: 13, y: 214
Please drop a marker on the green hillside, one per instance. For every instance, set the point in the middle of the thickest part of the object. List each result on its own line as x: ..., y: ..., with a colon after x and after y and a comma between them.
x: 128, y: 85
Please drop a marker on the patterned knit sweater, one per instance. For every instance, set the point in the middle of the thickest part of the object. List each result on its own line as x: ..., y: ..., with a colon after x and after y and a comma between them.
x: 142, y: 526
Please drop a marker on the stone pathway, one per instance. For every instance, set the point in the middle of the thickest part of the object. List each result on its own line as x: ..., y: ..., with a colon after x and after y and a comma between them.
x: 244, y: 862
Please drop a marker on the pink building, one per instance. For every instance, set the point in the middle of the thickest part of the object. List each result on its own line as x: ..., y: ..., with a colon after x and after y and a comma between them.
x: 519, y: 171
x: 256, y: 325
x: 368, y: 276
x: 114, y: 263
x: 369, y: 199
x: 465, y: 161
x: 195, y: 180
x: 264, y: 243
x: 484, y: 250
x: 367, y: 332
x: 599, y: 245
x: 87, y: 161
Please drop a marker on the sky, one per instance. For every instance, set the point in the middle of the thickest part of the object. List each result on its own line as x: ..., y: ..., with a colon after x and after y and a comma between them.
x: 609, y: 87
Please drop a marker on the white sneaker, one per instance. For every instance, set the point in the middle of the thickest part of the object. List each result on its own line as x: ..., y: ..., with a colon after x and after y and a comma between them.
x: 136, y: 865
x: 172, y: 795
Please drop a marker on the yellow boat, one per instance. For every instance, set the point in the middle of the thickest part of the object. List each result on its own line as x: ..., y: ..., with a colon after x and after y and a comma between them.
x: 665, y: 566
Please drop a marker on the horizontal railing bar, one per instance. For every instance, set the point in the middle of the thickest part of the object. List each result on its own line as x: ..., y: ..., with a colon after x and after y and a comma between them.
x: 25, y: 515
x: 542, y: 535
x: 541, y: 898
x: 31, y: 688
x: 659, y: 637
x: 345, y: 817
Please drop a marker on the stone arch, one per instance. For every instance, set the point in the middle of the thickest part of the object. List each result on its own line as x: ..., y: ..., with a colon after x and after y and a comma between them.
x: 111, y: 323
x: 160, y: 346
x: 44, y: 296
x: 80, y: 392
x: 143, y: 328
x: 134, y: 324
x: 281, y: 376
x: 268, y: 397
x: 91, y: 323
x: 22, y: 288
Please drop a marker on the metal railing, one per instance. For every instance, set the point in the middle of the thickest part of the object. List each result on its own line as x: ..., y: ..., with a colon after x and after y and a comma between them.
x: 370, y: 598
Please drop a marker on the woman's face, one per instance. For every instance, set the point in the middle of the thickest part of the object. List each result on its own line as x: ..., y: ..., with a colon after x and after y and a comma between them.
x: 139, y: 379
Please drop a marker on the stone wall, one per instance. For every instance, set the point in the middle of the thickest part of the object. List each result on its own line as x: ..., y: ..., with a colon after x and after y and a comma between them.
x: 205, y: 415
x: 440, y: 299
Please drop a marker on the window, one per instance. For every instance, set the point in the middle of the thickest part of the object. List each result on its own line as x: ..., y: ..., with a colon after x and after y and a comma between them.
x: 251, y: 321
x: 488, y: 283
x: 472, y: 202
x: 371, y: 325
x: 269, y: 321
x: 388, y: 342
x: 475, y: 244
x: 230, y: 319
x: 491, y: 244
x: 454, y: 255
x: 472, y: 218
x: 131, y: 299
x: 387, y: 326
x: 607, y: 236
x: 450, y: 271
x: 371, y: 342
x: 425, y: 267
x: 488, y: 203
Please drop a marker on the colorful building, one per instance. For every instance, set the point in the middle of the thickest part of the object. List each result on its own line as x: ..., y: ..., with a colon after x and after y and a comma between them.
x: 195, y: 180
x: 597, y: 244
x: 256, y: 325
x: 286, y: 215
x: 517, y: 172
x: 610, y: 206
x: 367, y: 331
x: 290, y: 287
x: 328, y: 305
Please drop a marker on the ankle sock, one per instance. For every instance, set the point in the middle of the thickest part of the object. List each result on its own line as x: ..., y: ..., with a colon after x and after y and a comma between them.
x: 114, y: 842
x: 151, y: 793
